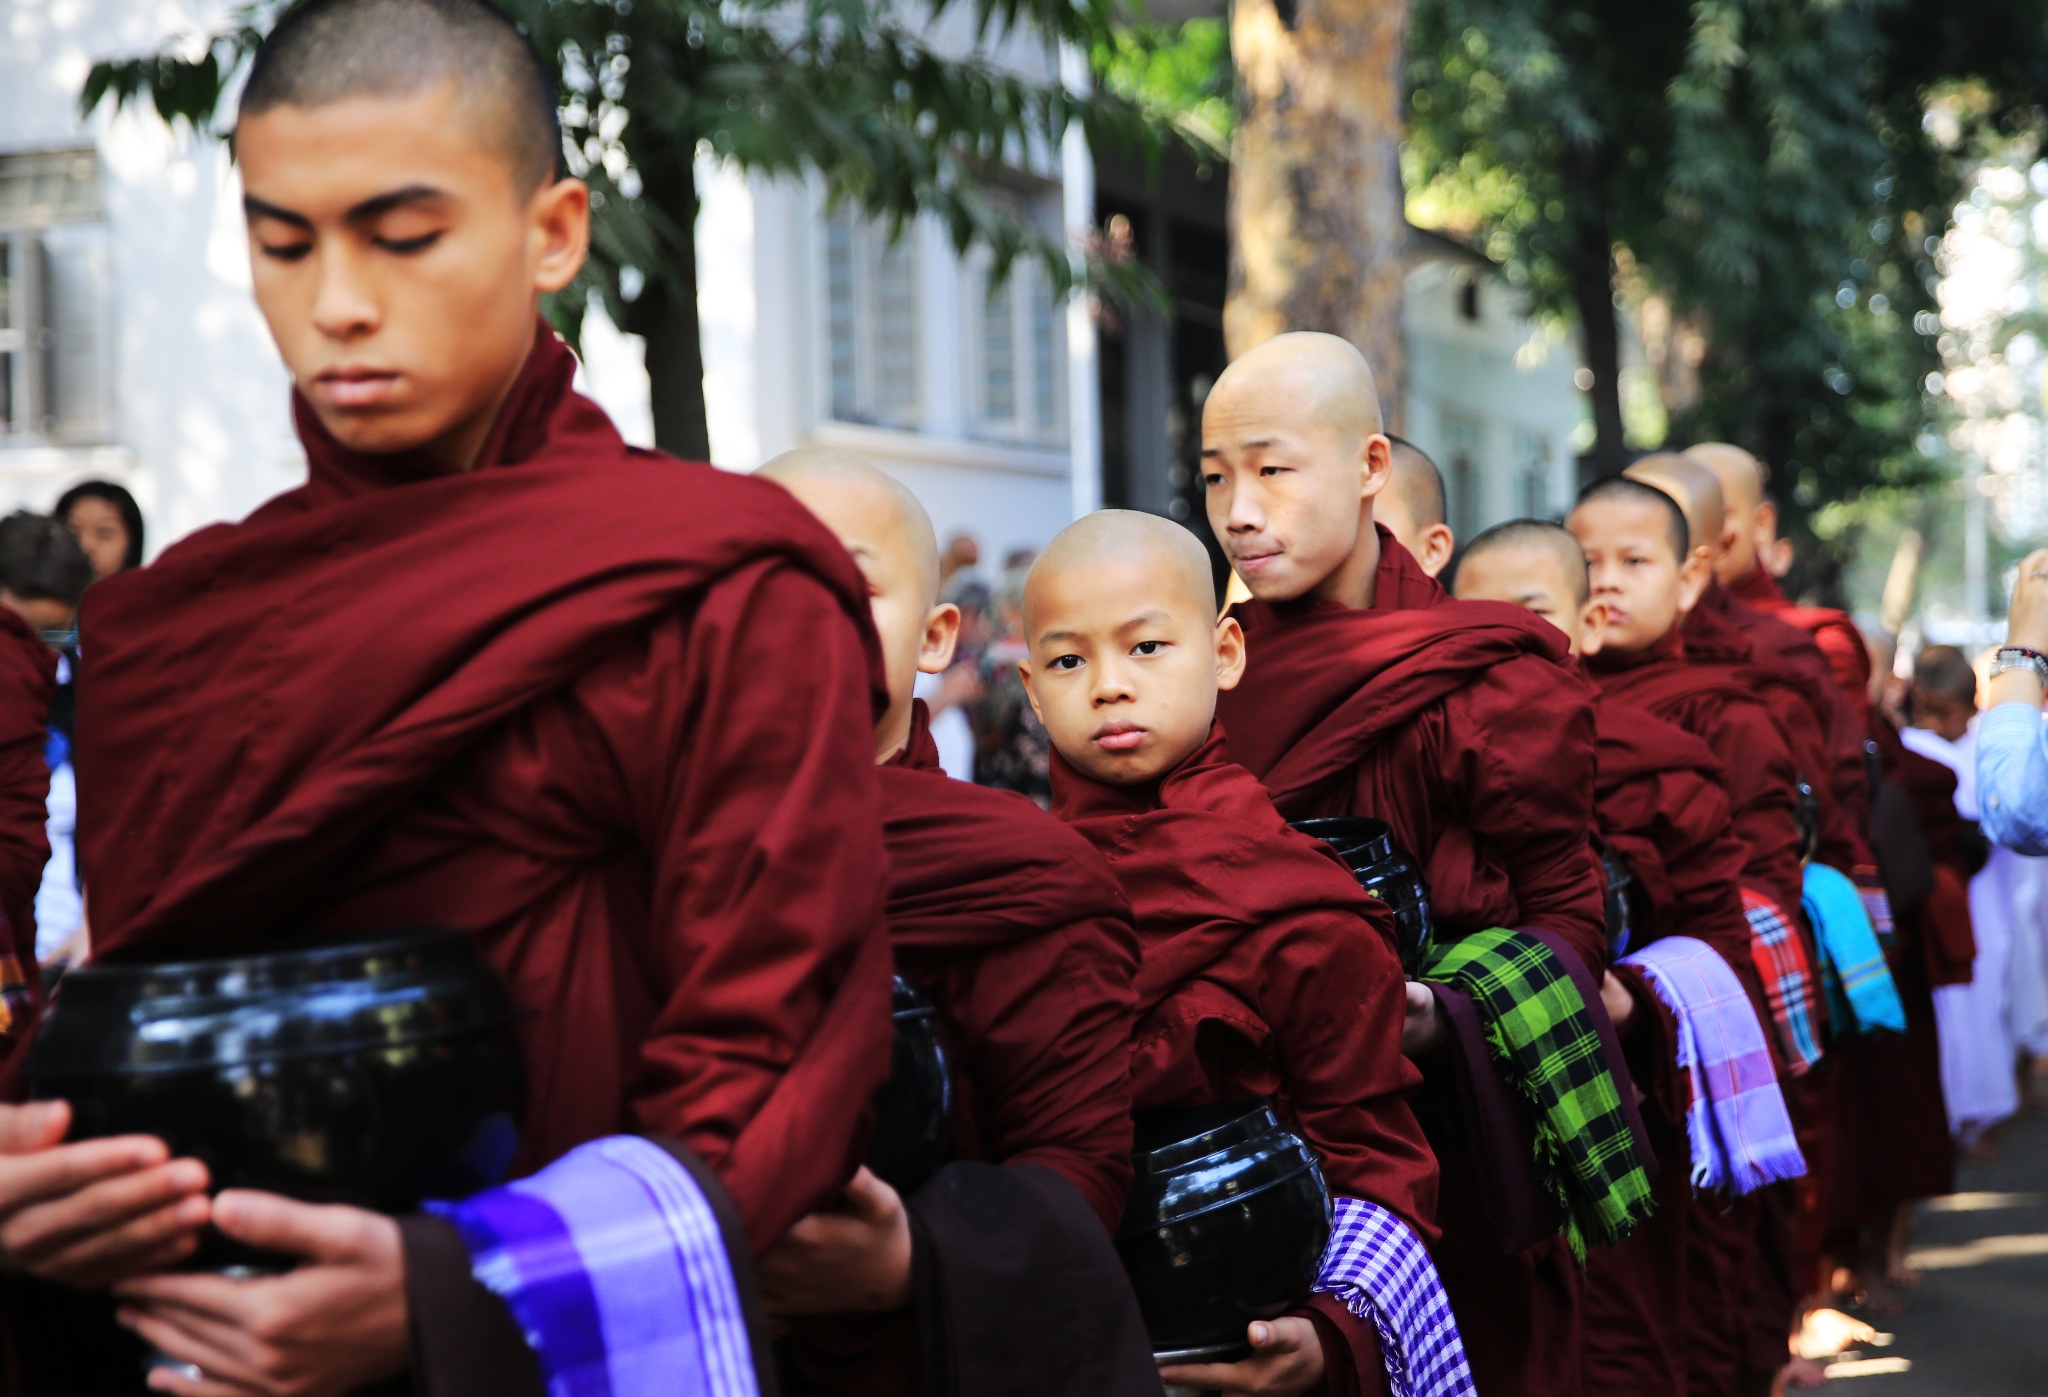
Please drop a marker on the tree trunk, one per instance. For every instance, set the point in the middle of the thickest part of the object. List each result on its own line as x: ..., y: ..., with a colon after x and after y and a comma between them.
x: 1319, y: 238
x: 665, y: 314
x: 1592, y: 273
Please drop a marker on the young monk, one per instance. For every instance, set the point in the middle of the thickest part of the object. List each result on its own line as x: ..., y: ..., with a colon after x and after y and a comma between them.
x: 1018, y: 933
x: 1789, y: 672
x: 1412, y: 507
x: 1664, y: 814
x: 1646, y: 576
x: 487, y: 669
x: 1369, y: 692
x: 1263, y: 971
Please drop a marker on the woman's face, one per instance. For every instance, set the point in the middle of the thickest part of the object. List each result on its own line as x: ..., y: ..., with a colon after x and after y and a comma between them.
x: 98, y: 528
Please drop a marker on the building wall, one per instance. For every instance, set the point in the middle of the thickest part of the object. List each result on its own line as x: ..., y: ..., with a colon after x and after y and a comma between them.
x: 1490, y: 392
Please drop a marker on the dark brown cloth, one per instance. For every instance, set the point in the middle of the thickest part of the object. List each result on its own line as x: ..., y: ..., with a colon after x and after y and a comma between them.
x: 28, y: 676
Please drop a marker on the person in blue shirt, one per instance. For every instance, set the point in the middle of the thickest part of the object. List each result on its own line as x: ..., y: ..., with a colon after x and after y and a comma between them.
x: 2012, y: 743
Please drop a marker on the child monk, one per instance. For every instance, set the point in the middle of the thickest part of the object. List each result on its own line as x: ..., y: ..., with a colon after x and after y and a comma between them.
x: 1368, y: 692
x: 1646, y: 577
x: 1787, y: 669
x: 1263, y: 971
x: 488, y: 669
x: 1016, y: 930
x: 1664, y: 814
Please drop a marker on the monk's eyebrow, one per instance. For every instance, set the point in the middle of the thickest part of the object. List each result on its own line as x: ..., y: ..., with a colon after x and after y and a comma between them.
x: 1059, y: 637
x: 257, y: 208
x: 1150, y: 616
x: 378, y: 205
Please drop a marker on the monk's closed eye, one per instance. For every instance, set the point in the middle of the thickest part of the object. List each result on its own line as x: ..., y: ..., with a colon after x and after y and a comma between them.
x: 407, y: 246
x: 285, y: 252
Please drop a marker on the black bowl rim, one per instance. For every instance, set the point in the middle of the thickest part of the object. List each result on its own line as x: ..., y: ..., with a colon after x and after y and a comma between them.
x: 1143, y: 1158
x: 211, y: 1067
x: 107, y: 971
x: 1307, y: 1166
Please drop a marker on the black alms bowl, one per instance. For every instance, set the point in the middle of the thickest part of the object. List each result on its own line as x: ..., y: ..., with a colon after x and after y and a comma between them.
x: 1623, y: 897
x: 1386, y: 871
x: 376, y: 1072
x: 1225, y: 1223
x: 914, y: 1108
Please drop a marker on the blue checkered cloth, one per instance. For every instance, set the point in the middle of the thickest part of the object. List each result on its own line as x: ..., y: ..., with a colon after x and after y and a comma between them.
x: 612, y: 1263
x: 1381, y: 1272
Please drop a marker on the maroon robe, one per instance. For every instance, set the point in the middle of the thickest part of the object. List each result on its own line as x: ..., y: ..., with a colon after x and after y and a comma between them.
x: 1825, y: 733
x: 1459, y: 725
x: 28, y: 678
x: 609, y: 712
x: 1655, y: 1308
x: 1018, y: 932
x: 1265, y: 971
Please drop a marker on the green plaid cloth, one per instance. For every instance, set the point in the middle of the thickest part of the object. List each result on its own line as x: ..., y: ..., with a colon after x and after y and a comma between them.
x: 1539, y: 1032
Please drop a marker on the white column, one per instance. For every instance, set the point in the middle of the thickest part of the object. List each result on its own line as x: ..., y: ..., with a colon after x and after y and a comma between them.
x: 1084, y: 408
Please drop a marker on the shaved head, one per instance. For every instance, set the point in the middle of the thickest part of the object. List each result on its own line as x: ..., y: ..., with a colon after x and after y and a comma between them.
x: 1740, y: 474
x: 1527, y: 544
x: 1127, y: 651
x: 831, y: 483
x: 1322, y: 379
x: 1622, y: 489
x: 324, y: 51
x: 1946, y: 671
x: 1173, y: 557
x: 1694, y: 487
x: 1417, y: 483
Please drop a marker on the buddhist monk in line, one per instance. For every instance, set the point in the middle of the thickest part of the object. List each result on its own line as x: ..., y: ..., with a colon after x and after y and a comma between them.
x: 1646, y: 575
x: 1016, y: 930
x: 488, y: 669
x: 1369, y: 692
x: 1264, y: 970
x: 1788, y: 671
x: 1664, y: 814
x: 1413, y: 507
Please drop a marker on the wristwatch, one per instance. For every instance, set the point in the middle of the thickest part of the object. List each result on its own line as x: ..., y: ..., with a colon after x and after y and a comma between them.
x: 2012, y: 657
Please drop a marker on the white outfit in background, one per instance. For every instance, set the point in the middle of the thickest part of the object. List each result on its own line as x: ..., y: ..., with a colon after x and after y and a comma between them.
x: 950, y: 732
x: 60, y: 909
x: 1976, y: 1021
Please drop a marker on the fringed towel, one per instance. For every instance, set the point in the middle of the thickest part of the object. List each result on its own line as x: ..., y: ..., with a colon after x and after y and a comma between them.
x: 1381, y: 1272
x: 1861, y: 994
x: 613, y: 1265
x: 1539, y: 1030
x: 1787, y: 973
x: 1736, y: 1122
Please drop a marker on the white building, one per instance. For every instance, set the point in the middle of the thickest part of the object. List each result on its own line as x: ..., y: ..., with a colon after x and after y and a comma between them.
x: 130, y: 347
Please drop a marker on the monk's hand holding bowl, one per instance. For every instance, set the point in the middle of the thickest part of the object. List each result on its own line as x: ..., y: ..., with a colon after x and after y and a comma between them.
x: 88, y: 1213
x: 330, y: 1325
x: 1286, y: 1361
x: 1423, y: 1028
x: 856, y: 1257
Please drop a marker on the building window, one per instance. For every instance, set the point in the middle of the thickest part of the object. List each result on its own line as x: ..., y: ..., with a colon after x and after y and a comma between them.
x: 54, y: 300
x: 1463, y: 433
x: 1020, y: 368
x: 1532, y: 463
x: 871, y: 313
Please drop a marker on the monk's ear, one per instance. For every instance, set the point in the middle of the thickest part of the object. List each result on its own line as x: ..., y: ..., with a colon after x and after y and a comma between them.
x: 1592, y: 629
x: 1693, y: 576
x: 1229, y: 652
x: 1375, y: 465
x: 941, y: 635
x: 1438, y: 543
x: 1025, y: 676
x: 559, y: 228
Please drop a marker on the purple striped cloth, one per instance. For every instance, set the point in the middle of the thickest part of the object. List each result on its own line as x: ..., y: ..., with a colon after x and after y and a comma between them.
x: 1381, y: 1272
x: 1740, y: 1134
x: 612, y: 1262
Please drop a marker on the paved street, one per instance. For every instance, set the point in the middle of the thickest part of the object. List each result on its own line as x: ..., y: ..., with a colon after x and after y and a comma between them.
x: 1978, y: 1325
